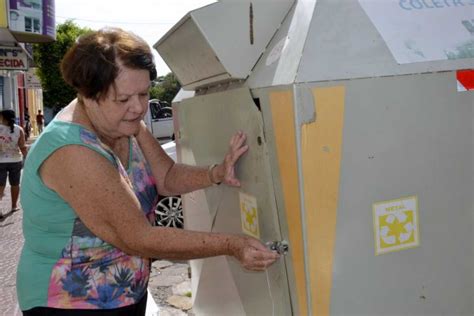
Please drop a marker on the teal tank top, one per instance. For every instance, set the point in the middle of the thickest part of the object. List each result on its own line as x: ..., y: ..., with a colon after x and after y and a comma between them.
x: 63, y: 264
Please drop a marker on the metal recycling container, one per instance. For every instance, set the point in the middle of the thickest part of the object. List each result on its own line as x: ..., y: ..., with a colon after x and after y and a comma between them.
x: 359, y: 116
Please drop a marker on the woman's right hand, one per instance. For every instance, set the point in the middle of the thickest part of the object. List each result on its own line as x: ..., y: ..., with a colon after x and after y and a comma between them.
x: 251, y: 253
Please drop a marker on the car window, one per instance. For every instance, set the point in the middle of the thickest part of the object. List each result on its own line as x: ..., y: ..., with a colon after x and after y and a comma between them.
x: 160, y: 110
x: 154, y: 110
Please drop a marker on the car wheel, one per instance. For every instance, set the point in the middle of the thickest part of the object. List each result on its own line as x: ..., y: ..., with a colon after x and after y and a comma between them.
x: 169, y: 212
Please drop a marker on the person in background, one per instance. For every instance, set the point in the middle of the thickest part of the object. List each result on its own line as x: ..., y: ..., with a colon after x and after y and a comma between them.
x: 12, y: 153
x: 91, y: 184
x: 39, y: 121
x: 27, y: 128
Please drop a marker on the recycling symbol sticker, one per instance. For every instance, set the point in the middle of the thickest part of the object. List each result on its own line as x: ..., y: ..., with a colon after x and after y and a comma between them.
x: 249, y: 215
x: 396, y: 225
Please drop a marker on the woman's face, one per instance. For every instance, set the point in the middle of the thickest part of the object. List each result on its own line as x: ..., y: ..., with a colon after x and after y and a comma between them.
x: 120, y: 112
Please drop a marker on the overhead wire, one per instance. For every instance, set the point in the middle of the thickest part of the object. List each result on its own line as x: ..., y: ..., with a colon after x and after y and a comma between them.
x: 114, y: 22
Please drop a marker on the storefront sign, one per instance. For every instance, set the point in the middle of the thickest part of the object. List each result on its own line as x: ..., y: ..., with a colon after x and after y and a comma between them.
x: 424, y: 30
x: 13, y: 58
x: 31, y: 80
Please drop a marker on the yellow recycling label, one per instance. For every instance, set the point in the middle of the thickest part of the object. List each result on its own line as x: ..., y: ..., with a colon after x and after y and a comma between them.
x: 249, y: 215
x: 396, y: 225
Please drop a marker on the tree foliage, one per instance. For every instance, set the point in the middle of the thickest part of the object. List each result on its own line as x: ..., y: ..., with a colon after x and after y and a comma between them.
x: 165, y: 88
x: 47, y: 57
x: 56, y: 93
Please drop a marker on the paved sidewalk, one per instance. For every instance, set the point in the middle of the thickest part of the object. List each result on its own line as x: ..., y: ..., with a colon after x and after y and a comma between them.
x: 11, y: 241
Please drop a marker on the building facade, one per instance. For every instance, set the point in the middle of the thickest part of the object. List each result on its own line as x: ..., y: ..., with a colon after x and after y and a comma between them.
x: 21, y: 24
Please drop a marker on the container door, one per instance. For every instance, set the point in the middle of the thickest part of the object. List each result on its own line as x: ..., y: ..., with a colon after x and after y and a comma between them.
x: 220, y: 285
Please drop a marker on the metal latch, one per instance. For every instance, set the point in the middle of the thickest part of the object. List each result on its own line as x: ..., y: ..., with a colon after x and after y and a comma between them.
x: 281, y: 247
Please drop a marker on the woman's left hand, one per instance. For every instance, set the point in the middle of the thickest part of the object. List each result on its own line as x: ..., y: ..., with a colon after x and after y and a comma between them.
x: 226, y: 171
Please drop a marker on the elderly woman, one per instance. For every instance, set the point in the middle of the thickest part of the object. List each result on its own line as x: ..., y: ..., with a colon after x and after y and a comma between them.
x: 90, y: 186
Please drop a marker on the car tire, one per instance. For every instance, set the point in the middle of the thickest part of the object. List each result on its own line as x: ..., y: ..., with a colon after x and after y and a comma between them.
x: 169, y: 212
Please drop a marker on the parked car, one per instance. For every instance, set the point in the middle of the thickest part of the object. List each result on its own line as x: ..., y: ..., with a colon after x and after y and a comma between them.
x: 159, y: 119
x: 169, y: 211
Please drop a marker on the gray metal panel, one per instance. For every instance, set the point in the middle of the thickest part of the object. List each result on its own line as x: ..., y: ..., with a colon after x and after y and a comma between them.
x: 263, y: 96
x: 216, y: 286
x: 189, y: 55
x: 212, y: 44
x: 406, y: 135
x: 183, y: 94
x: 206, y: 125
x: 343, y: 44
x: 227, y: 28
x: 279, y: 63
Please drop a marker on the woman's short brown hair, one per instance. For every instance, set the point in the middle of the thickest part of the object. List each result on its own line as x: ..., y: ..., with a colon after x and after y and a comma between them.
x: 91, y: 65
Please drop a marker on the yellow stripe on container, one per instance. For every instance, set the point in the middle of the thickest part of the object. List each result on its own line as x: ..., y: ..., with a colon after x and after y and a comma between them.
x: 321, y: 158
x: 281, y: 105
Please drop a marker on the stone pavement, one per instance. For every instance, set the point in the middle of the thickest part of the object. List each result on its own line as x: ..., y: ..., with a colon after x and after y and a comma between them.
x: 11, y: 240
x: 170, y: 286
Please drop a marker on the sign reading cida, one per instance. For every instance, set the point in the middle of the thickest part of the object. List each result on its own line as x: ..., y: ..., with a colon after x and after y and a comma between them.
x: 13, y: 58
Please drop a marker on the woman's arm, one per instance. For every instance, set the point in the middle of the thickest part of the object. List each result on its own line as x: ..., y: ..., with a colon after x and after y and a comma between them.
x: 173, y: 178
x: 109, y: 208
x: 22, y: 143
